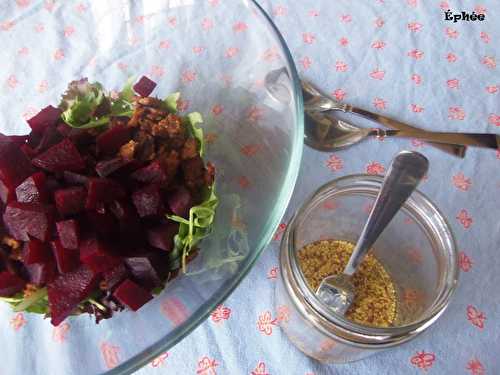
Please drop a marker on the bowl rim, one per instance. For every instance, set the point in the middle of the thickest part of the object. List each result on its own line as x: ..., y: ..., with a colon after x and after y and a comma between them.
x: 141, y: 359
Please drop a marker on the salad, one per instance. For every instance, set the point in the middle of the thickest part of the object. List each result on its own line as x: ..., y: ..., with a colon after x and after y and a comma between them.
x: 102, y: 203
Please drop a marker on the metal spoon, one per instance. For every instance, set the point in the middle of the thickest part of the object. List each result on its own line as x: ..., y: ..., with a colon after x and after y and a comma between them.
x: 405, y: 173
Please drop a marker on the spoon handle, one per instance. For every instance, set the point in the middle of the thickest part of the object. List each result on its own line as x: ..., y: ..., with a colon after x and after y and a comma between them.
x: 402, y: 178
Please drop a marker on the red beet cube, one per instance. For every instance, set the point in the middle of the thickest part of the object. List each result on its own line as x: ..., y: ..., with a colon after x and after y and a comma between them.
x: 148, y: 201
x: 32, y: 189
x: 97, y: 255
x: 70, y: 201
x: 103, y: 223
x: 15, y: 167
x: 144, y: 86
x: 145, y: 270
x: 180, y: 202
x: 107, y: 167
x: 23, y: 220
x: 18, y: 140
x: 115, y: 276
x: 73, y: 178
x: 162, y: 236
x: 69, y: 233
x: 41, y: 273
x: 61, y: 157
x: 28, y: 150
x: 67, y: 260
x: 10, y: 284
x: 68, y: 290
x: 45, y: 118
x: 36, y: 251
x: 7, y: 192
x: 49, y: 138
x: 110, y: 141
x: 101, y: 191
x: 154, y: 173
x: 132, y: 295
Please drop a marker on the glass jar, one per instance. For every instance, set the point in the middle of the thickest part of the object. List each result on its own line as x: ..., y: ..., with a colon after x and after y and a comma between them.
x: 417, y: 249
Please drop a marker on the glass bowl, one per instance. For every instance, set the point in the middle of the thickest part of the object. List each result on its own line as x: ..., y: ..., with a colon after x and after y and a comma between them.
x: 417, y: 249
x: 219, y: 56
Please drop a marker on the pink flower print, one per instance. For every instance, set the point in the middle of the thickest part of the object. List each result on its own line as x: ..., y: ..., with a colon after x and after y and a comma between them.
x: 81, y: 8
x: 330, y: 204
x: 476, y: 317
x: 255, y: 113
x: 12, y: 81
x: 339, y: 94
x: 157, y: 71
x: 23, y: 51
x: 416, y: 78
x: 379, y: 103
x: 29, y: 113
x: 453, y: 83
x: 273, y: 273
x: 39, y: 27
x: 417, y: 108
x: 110, y: 354
x: 416, y: 54
x: 18, y: 321
x: 160, y: 360
x: 265, y: 323
x: 239, y: 27
x: 412, y: 3
x: 375, y: 168
x: 493, y: 89
x: 464, y: 218
x: 326, y: 345
x: 343, y: 41
x: 334, y: 163
x: 480, y: 9
x: 42, y: 86
x: 423, y: 360
x: 198, y: 50
x: 220, y: 313
x: 217, y: 109
x: 174, y: 310
x: 164, y: 44
x: 464, y: 262
x: 461, y: 182
x: 367, y: 208
x: 59, y: 333
x: 345, y: 18
x: 308, y: 38
x: 341, y: 66
x: 270, y: 54
x: 122, y: 66
x: 279, y: 232
x: 280, y: 10
x: 313, y: 13
x: 49, y: 5
x: 260, y: 369
x: 207, y: 24
x: 444, y: 5
x: 188, y: 76
x: 206, y: 365
x: 451, y: 57
x: 494, y: 119
x: 475, y: 367
x: 231, y: 52
x: 411, y: 296
x: 250, y: 149
x: 172, y: 21
x: 182, y: 105
x: 22, y: 3
x: 213, y: 3
x: 451, y: 33
x: 58, y: 54
x: 68, y: 31
x: 306, y: 62
x: 485, y: 37
x: 7, y: 25
x: 456, y: 113
x: 489, y: 62
x: 415, y: 256
x: 244, y: 182
x: 379, y: 22
x: 417, y: 143
x: 377, y: 74
x: 414, y: 27
x: 283, y: 314
x: 378, y: 44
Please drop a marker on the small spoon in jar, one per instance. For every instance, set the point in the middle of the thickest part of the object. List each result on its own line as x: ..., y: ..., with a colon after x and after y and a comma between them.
x: 405, y: 173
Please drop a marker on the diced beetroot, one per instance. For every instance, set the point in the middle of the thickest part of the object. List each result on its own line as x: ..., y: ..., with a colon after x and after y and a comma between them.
x: 42, y: 273
x: 46, y: 117
x: 101, y: 191
x: 28, y: 219
x: 144, y: 86
x: 103, y: 223
x: 15, y: 167
x: 109, y: 142
x: 70, y: 201
x: 28, y: 150
x: 18, y: 140
x: 144, y: 270
x: 180, y: 201
x: 67, y: 260
x: 73, y: 178
x: 154, y: 173
x: 61, y: 157
x: 132, y: 295
x: 10, y: 284
x: 68, y: 290
x: 69, y: 233
x: 49, y: 138
x: 148, y: 201
x: 131, y: 230
x: 32, y: 189
x: 106, y: 167
x: 7, y: 192
x: 113, y: 277
x: 36, y: 251
x: 97, y: 255
x: 162, y: 236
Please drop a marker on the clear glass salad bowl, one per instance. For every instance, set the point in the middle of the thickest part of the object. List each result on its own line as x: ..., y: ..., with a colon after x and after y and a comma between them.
x: 229, y: 63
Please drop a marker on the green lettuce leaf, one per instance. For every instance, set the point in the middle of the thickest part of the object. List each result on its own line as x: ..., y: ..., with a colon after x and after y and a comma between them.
x: 170, y: 102
x: 193, y: 119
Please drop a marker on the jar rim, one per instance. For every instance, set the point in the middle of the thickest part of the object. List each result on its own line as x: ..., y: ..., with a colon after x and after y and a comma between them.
x: 347, y: 329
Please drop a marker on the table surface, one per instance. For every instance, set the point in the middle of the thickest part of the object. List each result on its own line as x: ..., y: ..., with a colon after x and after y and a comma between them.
x: 403, y: 59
